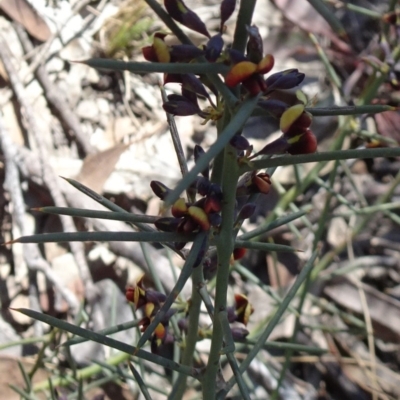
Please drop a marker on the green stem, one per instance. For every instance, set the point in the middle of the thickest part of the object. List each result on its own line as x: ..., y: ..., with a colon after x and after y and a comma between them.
x: 225, y: 244
x: 192, y: 335
x: 244, y: 18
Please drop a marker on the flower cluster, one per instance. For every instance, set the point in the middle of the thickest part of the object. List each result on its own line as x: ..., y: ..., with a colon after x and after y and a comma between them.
x: 150, y: 302
x: 245, y: 72
x: 199, y: 215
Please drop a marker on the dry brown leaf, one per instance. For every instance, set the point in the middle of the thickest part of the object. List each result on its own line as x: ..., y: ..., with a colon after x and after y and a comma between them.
x: 97, y: 167
x: 280, y: 277
x: 302, y: 14
x: 384, y: 310
x: 388, y: 124
x: 21, y: 11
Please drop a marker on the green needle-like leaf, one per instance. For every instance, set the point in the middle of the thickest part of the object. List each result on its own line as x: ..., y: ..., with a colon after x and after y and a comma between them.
x: 349, y: 110
x: 140, y: 382
x: 147, y: 67
x: 84, y: 213
x: 274, y: 224
x: 159, y: 237
x: 318, y: 157
x: 115, y: 344
x: 264, y: 246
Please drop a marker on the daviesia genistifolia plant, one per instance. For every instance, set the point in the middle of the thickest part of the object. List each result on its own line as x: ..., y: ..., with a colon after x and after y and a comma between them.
x: 223, y: 82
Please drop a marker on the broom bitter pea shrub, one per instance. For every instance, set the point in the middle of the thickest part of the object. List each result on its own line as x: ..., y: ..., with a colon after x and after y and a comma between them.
x: 234, y: 80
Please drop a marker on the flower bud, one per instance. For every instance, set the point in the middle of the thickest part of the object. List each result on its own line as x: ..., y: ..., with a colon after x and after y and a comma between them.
x: 153, y: 296
x: 239, y: 334
x: 159, y: 189
x: 227, y: 9
x: 178, y: 10
x: 246, y: 211
x: 183, y: 324
x: 193, y: 84
x: 287, y: 79
x: 214, y: 48
x: 254, y: 45
x: 239, y: 142
x: 180, y: 106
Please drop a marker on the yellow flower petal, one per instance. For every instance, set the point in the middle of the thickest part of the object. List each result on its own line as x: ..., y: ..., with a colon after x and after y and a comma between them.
x: 240, y: 72
x: 290, y: 116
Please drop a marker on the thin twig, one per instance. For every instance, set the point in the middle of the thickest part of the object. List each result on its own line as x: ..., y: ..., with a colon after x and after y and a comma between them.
x: 49, y: 177
x: 56, y: 99
x: 32, y: 255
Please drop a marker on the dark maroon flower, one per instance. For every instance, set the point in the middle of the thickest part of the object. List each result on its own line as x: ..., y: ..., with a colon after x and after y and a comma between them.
x: 252, y: 183
x: 243, y: 308
x: 158, y: 51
